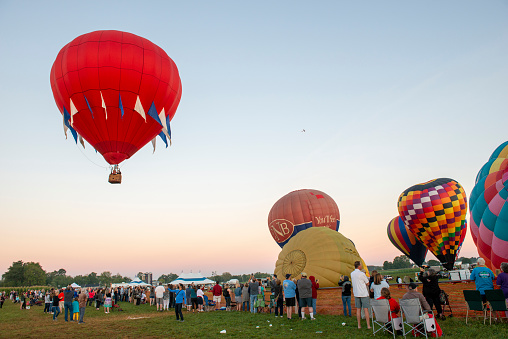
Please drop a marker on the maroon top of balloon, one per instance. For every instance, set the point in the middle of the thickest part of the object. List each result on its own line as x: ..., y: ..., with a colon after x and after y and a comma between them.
x: 99, y: 78
x: 299, y: 210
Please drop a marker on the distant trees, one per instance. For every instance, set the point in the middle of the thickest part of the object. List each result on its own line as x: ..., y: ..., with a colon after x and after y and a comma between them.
x: 24, y: 274
x: 226, y: 276
x: 167, y: 278
x: 401, y: 261
x: 32, y: 274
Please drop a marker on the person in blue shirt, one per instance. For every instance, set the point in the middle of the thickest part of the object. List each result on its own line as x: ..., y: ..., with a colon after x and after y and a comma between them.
x: 483, y: 278
x: 289, y: 294
x: 180, y: 299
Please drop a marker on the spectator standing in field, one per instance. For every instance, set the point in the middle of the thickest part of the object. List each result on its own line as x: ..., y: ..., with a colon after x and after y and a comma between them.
x: 68, y: 298
x: 61, y: 297
x: 431, y: 290
x: 245, y: 297
x: 502, y: 281
x: 107, y: 301
x: 315, y: 287
x: 22, y: 301
x: 75, y: 309
x: 278, y: 298
x: 289, y: 294
x: 194, y: 298
x: 412, y: 293
x: 362, y: 301
x: 305, y: 288
x: 47, y: 302
x: 227, y: 296
x: 82, y: 305
x: 201, y: 298
x: 377, y: 284
x: 165, y: 299
x: 91, y: 297
x: 180, y: 299
x: 483, y: 278
x: 188, y: 292
x: 217, y: 293
x: 253, y: 294
x: 98, y: 299
x: 371, y: 278
x: 346, y: 295
x: 238, y: 296
x: 159, y: 296
x: 56, y: 305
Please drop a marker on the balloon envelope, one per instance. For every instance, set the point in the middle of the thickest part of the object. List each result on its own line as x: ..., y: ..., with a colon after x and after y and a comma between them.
x: 435, y: 212
x: 405, y: 241
x: 321, y: 252
x: 300, y: 210
x: 117, y: 90
x: 489, y: 209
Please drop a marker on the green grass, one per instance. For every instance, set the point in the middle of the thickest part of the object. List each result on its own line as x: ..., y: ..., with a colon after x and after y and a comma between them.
x: 15, y: 323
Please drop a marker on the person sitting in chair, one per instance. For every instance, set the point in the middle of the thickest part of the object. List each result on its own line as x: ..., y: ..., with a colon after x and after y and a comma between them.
x: 412, y: 293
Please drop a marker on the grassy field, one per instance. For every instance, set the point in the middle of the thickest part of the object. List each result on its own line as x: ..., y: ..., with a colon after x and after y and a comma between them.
x: 144, y: 321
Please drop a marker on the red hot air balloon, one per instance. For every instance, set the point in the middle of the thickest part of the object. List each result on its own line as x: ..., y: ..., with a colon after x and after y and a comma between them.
x: 299, y: 210
x: 117, y: 91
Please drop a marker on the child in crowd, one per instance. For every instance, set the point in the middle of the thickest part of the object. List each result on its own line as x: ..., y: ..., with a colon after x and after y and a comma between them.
x: 75, y: 309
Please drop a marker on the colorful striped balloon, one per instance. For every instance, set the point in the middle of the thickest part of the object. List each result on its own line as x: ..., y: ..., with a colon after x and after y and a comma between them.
x: 405, y: 241
x: 435, y: 212
x: 489, y: 209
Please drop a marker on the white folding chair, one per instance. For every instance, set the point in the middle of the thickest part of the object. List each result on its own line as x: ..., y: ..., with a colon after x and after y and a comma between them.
x: 381, y: 316
x: 413, y: 317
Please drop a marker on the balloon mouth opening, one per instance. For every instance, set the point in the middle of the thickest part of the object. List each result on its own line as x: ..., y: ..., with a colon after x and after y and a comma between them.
x: 294, y: 263
x: 114, y: 158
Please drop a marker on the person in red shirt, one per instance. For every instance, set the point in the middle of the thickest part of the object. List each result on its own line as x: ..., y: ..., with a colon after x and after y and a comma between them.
x: 394, y: 305
x: 61, y: 297
x: 217, y: 293
x: 315, y: 286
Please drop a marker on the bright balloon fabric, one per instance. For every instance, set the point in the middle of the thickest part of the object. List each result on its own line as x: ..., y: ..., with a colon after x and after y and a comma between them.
x: 405, y: 241
x: 300, y: 210
x: 117, y: 90
x: 489, y: 209
x: 435, y: 212
x: 321, y: 252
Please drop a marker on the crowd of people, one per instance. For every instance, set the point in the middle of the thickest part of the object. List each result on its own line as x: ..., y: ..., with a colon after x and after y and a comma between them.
x: 299, y: 296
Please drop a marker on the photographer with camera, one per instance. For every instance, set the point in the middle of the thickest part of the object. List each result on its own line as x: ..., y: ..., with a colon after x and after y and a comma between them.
x: 431, y: 290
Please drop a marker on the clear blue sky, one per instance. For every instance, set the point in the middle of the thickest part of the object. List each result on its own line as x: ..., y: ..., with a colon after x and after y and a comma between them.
x: 390, y: 94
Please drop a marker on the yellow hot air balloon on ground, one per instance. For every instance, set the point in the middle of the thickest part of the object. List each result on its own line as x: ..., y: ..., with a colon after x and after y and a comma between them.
x: 321, y: 252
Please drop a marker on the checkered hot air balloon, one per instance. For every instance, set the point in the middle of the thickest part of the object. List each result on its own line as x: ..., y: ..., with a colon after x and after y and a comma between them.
x: 405, y: 241
x: 489, y: 209
x: 435, y: 212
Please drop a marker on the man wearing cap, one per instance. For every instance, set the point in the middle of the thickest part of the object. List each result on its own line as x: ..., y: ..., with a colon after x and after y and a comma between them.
x: 305, y: 289
x: 412, y: 293
x: 289, y: 294
x: 360, y: 282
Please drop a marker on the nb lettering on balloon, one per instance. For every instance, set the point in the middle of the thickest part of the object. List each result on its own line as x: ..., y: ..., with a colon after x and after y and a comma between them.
x: 281, y: 229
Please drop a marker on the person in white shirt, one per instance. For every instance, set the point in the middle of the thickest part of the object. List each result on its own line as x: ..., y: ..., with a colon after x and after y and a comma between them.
x: 159, y: 294
x: 377, y: 285
x: 201, y: 297
x: 360, y: 284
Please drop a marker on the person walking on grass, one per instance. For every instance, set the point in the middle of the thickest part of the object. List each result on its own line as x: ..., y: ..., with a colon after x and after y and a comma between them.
x: 180, y: 299
x: 82, y: 298
x: 56, y: 304
x: 289, y: 294
x: 159, y: 296
x: 360, y: 284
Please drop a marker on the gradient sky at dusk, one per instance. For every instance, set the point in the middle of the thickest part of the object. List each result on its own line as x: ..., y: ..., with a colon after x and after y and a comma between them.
x: 390, y: 94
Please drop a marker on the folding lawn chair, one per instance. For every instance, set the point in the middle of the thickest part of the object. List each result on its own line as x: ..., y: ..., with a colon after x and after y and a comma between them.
x: 496, y: 301
x: 272, y: 303
x: 413, y: 317
x: 207, y: 303
x: 381, y: 316
x: 260, y: 302
x: 474, y: 302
